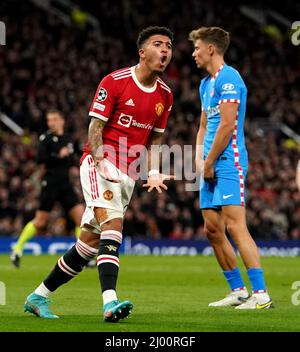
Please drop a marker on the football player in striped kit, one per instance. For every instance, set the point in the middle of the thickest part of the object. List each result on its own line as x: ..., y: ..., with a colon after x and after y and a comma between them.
x: 222, y: 161
x: 129, y: 111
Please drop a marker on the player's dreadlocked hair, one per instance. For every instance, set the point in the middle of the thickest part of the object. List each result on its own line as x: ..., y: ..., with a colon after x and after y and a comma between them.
x: 149, y: 31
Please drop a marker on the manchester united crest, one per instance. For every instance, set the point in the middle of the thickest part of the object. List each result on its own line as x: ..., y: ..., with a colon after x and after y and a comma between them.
x: 159, y: 109
x: 108, y: 195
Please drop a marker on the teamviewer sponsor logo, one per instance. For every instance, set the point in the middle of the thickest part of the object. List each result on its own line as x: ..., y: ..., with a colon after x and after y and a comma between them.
x: 125, y: 120
x: 146, y: 126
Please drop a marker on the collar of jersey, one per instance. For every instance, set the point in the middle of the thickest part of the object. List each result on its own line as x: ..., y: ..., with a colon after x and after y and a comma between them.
x: 216, y: 74
x: 143, y: 88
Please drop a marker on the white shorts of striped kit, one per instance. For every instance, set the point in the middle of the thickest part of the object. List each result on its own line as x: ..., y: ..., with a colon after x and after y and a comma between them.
x: 101, y: 193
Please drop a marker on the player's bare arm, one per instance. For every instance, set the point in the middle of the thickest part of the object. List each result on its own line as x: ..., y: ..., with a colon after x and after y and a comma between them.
x: 96, y: 147
x: 224, y: 133
x: 95, y: 139
x: 155, y: 179
x: 199, y: 157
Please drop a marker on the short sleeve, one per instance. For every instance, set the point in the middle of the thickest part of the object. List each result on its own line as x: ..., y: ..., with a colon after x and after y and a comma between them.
x: 229, y: 87
x: 161, y: 122
x: 104, y: 99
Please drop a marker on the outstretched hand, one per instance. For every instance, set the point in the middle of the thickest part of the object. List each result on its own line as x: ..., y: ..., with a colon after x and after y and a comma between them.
x: 157, y: 181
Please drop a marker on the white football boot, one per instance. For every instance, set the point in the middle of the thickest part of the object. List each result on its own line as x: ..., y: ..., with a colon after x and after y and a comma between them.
x: 257, y: 301
x: 234, y: 298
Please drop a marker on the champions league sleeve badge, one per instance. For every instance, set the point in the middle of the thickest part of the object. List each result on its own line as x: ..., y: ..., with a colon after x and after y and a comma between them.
x: 102, y: 94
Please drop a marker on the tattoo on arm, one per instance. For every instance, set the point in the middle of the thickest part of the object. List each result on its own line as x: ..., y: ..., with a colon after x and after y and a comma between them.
x: 95, y: 140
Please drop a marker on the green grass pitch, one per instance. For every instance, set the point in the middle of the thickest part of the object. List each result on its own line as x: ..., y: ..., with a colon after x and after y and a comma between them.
x: 170, y: 294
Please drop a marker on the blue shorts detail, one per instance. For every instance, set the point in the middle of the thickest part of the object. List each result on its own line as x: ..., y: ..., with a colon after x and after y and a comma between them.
x: 227, y: 190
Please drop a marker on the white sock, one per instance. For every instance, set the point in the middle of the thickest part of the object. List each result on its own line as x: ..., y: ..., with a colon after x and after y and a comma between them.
x: 42, y: 291
x: 108, y: 296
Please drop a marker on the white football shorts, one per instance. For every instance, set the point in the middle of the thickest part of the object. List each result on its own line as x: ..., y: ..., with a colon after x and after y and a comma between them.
x: 99, y: 192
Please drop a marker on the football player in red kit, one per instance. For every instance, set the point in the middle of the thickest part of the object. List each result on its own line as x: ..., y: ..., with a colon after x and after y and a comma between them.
x: 129, y: 112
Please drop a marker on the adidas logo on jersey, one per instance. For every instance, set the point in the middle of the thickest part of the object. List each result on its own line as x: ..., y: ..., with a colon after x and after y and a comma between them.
x: 129, y: 102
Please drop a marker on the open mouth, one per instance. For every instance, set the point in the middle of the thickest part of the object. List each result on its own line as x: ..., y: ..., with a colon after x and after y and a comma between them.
x: 163, y: 60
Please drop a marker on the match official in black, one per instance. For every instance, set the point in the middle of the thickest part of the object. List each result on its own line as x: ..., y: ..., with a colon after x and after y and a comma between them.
x: 56, y: 153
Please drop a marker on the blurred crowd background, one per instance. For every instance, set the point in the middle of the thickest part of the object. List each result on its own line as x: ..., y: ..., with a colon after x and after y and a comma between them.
x: 49, y: 63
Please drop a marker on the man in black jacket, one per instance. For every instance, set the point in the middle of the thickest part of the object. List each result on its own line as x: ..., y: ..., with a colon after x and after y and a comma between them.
x: 56, y: 153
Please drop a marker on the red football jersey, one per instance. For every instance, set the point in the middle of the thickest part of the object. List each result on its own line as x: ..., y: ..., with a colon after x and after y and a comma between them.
x: 130, y: 110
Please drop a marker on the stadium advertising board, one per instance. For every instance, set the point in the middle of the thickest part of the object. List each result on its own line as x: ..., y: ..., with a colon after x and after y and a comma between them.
x: 130, y: 246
